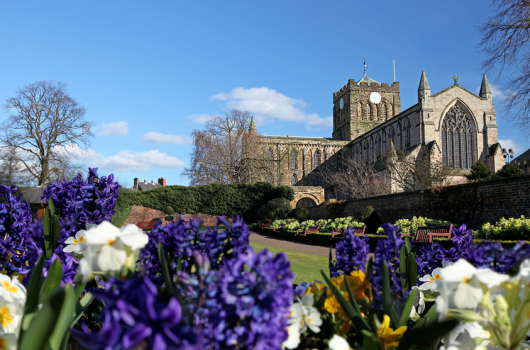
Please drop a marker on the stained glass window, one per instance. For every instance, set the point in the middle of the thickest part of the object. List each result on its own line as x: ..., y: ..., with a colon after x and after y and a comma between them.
x: 316, y: 159
x: 293, y: 159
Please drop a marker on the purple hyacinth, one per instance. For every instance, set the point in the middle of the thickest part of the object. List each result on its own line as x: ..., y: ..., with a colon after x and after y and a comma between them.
x: 135, y: 315
x: 82, y: 201
x: 351, y: 254
x: 387, y: 250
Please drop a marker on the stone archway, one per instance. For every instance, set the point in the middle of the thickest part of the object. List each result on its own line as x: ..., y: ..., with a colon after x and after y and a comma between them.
x: 310, y: 195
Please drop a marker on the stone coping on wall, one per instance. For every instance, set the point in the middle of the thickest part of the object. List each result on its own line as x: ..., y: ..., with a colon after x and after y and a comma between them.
x: 143, y: 214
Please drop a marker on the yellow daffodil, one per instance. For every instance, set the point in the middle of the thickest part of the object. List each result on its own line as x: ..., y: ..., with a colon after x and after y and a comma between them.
x: 387, y: 337
x: 358, y: 284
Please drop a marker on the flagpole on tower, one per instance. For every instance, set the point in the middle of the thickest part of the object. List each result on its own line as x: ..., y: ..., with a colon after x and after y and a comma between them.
x: 364, y: 65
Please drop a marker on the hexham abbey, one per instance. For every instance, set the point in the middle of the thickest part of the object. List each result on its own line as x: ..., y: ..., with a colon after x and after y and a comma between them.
x: 454, y: 124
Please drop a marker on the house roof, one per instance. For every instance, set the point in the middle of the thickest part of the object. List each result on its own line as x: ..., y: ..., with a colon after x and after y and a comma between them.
x: 31, y: 194
x: 144, y: 186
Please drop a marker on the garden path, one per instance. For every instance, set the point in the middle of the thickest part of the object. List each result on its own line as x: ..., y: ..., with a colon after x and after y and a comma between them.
x: 259, y: 238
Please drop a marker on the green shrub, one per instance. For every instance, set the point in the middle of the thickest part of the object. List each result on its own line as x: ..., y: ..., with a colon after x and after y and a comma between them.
x: 479, y: 172
x: 509, y: 170
x: 213, y: 199
x: 411, y: 226
x: 302, y: 215
x: 507, y: 229
x: 366, y: 213
x: 170, y: 211
x: 325, y: 225
x: 277, y: 208
x: 121, y: 213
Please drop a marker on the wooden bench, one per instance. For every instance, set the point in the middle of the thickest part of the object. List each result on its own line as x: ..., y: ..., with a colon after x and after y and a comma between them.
x: 425, y: 234
x: 310, y: 229
x: 146, y: 225
x: 339, y: 235
x: 262, y: 225
x: 278, y: 229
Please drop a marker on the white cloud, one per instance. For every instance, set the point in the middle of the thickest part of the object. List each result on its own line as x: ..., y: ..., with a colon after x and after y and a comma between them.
x: 156, y: 137
x: 265, y: 103
x: 124, y: 161
x: 513, y: 145
x: 200, y: 118
x: 109, y: 129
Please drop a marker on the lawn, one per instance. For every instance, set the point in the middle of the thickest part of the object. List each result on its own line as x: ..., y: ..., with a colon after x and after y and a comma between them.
x: 306, y: 267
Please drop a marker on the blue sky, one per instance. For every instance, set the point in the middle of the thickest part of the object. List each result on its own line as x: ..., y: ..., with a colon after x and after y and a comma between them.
x: 150, y: 72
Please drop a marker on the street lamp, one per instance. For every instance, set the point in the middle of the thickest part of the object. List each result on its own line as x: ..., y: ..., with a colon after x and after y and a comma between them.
x: 507, y: 153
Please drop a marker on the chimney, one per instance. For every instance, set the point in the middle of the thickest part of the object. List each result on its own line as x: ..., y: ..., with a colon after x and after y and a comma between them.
x: 152, y: 181
x: 135, y: 187
x: 162, y: 181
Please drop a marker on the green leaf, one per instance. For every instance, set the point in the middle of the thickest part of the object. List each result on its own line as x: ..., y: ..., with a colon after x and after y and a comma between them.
x: 51, y: 206
x: 55, y: 232
x: 46, y: 229
x: 406, y: 310
x: 32, y: 300
x: 165, y: 269
x: 330, y: 261
x: 52, y: 281
x: 79, y: 286
x: 388, y: 306
x: 405, y: 286
x: 351, y: 310
x: 412, y: 269
x: 81, y: 307
x: 51, y: 323
x: 369, y: 341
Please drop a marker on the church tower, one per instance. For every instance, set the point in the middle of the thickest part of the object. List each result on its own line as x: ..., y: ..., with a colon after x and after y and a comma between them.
x: 362, y: 105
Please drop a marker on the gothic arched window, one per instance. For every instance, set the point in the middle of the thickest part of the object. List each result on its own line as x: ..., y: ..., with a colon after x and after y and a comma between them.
x: 383, y: 145
x: 293, y: 180
x: 399, y: 136
x: 378, y: 146
x: 359, y: 111
x: 293, y: 162
x: 366, y: 111
x: 316, y: 159
x: 406, y: 133
x: 269, y: 157
x: 371, y: 153
x: 382, y: 111
x: 457, y: 139
x: 316, y: 180
x: 389, y: 111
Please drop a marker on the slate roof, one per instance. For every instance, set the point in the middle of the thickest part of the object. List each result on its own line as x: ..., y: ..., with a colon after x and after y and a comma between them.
x: 368, y: 80
x: 523, y: 157
x: 31, y: 194
x: 144, y: 186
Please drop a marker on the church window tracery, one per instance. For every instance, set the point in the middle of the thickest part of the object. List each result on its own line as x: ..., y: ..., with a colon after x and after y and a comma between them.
x: 293, y: 160
x: 269, y: 158
x: 293, y: 180
x: 383, y: 146
x: 378, y: 146
x: 457, y: 139
x: 366, y: 111
x: 382, y: 111
x: 359, y: 111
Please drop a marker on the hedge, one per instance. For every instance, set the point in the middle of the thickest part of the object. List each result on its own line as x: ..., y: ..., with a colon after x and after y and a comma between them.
x: 324, y: 238
x: 213, y: 199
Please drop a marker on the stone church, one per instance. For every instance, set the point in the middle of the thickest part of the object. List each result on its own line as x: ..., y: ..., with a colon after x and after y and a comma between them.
x: 454, y: 124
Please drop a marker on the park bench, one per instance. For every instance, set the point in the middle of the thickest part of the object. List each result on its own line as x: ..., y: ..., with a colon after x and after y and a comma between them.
x: 146, y: 225
x: 425, y: 234
x: 262, y: 225
x: 339, y: 235
x: 278, y: 229
x: 310, y: 229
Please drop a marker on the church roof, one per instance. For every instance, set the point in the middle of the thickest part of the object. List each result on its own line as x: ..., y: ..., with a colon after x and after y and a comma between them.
x: 523, y: 157
x: 453, y: 86
x: 368, y: 80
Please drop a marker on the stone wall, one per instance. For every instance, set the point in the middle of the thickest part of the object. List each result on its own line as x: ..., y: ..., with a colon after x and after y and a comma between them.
x: 144, y: 214
x: 473, y: 204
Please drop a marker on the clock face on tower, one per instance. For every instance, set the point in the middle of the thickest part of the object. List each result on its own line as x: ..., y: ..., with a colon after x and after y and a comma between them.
x: 341, y: 104
x: 375, y: 97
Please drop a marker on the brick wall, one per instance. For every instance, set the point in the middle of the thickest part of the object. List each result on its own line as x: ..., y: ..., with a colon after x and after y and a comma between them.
x: 144, y: 214
x: 473, y: 203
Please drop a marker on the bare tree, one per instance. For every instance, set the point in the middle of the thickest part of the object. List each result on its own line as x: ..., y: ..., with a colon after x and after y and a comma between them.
x: 43, y: 120
x: 505, y: 41
x: 356, y: 178
x: 12, y: 171
x: 223, y: 152
x: 411, y: 172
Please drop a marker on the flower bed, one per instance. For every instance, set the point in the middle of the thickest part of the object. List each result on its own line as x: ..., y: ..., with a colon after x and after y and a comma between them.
x: 75, y: 278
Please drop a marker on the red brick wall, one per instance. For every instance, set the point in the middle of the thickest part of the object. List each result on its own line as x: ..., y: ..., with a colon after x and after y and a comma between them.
x: 143, y: 214
x: 473, y: 204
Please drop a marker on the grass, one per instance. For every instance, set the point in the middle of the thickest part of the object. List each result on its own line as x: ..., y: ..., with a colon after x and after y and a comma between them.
x: 306, y: 267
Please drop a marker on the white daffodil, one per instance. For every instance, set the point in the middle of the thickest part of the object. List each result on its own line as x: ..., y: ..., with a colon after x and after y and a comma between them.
x: 338, y: 343
x: 111, y: 249
x: 293, y: 340
x: 11, y: 289
x: 8, y: 341
x: 419, y: 303
x: 10, y: 315
x: 76, y: 244
x: 431, y: 280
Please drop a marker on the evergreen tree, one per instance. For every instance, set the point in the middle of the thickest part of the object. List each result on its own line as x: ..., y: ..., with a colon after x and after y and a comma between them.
x: 479, y: 172
x: 508, y: 170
